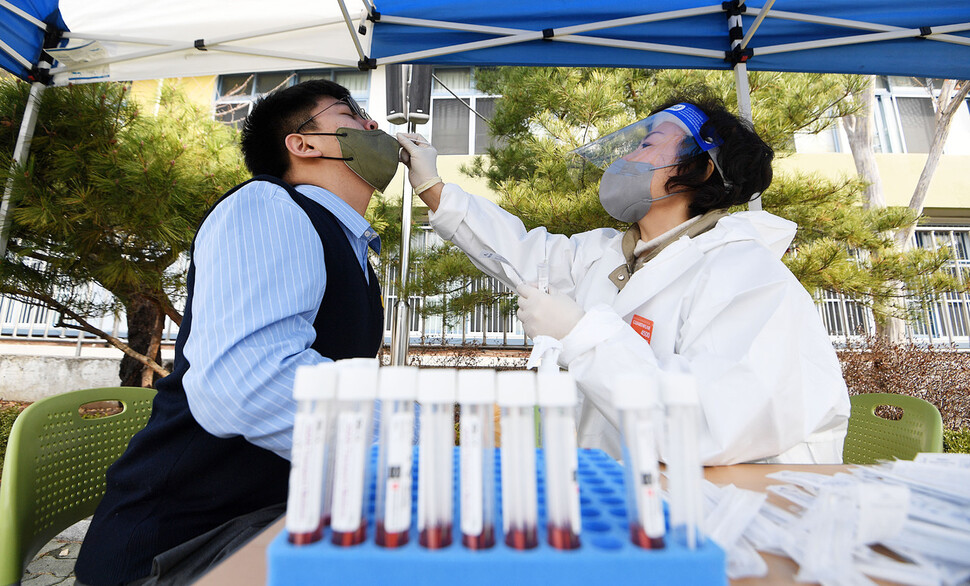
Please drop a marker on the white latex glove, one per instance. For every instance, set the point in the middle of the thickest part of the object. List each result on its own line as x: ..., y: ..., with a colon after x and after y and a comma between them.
x: 543, y: 314
x: 421, y: 160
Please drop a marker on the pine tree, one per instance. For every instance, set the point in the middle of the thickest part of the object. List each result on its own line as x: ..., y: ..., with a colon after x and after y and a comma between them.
x: 110, y: 199
x: 859, y: 128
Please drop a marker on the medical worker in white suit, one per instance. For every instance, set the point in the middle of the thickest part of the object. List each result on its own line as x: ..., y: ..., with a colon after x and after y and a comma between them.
x: 688, y: 288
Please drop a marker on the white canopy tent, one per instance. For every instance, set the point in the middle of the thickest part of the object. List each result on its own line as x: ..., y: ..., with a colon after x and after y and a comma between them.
x: 110, y: 40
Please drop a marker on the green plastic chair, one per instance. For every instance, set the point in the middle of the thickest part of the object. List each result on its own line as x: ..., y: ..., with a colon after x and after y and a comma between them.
x: 871, y: 438
x: 54, y: 469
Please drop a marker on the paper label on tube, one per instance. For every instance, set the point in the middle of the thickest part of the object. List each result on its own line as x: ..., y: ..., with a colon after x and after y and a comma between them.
x: 397, y: 493
x: 470, y: 454
x: 648, y: 481
x: 569, y: 441
x: 348, y: 480
x: 306, y: 473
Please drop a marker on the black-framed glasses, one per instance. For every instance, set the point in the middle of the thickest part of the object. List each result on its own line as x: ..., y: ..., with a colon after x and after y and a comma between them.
x: 347, y: 101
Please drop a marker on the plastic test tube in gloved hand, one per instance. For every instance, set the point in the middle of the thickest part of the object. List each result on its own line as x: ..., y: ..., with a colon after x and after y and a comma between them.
x: 314, y: 389
x: 396, y: 391
x: 436, y: 448
x: 556, y: 393
x: 636, y: 401
x: 476, y: 396
x: 356, y: 390
x: 516, y: 396
x: 684, y: 470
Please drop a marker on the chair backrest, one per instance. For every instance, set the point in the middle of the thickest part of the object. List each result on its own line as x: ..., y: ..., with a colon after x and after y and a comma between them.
x: 871, y: 438
x: 54, y: 469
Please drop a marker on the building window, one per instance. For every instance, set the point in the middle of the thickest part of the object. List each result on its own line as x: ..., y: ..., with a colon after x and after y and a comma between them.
x: 886, y: 139
x: 236, y: 93
x: 455, y: 130
x: 918, y: 123
x: 905, y: 121
x: 449, y: 126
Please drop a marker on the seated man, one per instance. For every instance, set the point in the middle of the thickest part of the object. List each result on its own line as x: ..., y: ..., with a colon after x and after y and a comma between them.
x: 279, y: 278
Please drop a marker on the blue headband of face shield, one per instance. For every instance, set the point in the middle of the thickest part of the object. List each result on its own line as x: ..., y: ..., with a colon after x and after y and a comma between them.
x: 692, y: 119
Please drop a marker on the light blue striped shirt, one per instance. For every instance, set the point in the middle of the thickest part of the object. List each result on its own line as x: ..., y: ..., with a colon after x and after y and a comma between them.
x: 259, y: 278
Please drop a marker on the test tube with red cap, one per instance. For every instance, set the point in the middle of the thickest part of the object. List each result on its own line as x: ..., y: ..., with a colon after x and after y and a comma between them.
x: 556, y: 394
x: 314, y: 388
x: 397, y: 391
x: 516, y: 396
x: 636, y: 401
x: 476, y: 457
x: 436, y: 448
x: 356, y: 390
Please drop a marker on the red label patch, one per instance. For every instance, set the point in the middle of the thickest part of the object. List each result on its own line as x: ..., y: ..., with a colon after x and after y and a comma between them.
x: 643, y: 326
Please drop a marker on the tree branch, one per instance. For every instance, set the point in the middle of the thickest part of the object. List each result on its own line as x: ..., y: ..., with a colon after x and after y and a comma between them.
x: 83, y: 325
x: 945, y: 117
x: 169, y: 309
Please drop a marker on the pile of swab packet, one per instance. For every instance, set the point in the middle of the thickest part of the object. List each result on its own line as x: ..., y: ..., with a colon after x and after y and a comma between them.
x: 915, y: 513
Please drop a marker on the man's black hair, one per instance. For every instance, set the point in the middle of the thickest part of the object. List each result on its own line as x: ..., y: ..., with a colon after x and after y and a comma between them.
x: 744, y: 157
x: 276, y: 115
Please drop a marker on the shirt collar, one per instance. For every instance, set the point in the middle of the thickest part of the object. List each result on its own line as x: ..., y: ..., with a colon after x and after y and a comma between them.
x: 345, y: 214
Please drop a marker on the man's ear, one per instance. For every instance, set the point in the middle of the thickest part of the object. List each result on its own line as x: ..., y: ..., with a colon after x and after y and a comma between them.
x: 299, y: 147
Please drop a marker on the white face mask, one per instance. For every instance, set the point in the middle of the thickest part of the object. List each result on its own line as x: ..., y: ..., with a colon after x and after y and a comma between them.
x: 625, y: 189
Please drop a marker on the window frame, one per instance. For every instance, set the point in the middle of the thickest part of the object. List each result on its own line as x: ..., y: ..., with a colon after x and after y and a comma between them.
x: 470, y: 95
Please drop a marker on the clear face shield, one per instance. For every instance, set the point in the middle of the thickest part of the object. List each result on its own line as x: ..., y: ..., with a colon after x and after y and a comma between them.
x: 630, y: 157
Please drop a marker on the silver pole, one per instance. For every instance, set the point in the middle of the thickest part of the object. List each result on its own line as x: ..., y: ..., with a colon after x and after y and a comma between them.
x: 401, y: 322
x: 20, y: 152
x: 744, y: 91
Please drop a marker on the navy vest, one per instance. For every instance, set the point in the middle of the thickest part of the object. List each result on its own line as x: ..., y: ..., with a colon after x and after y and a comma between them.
x: 177, y: 481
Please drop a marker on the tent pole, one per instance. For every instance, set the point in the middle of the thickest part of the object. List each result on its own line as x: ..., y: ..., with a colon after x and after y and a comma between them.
x: 743, y: 91
x: 401, y: 320
x: 744, y: 109
x: 20, y: 152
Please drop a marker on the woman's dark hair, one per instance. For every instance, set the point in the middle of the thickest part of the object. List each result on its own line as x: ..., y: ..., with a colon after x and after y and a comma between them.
x: 276, y: 115
x: 743, y: 156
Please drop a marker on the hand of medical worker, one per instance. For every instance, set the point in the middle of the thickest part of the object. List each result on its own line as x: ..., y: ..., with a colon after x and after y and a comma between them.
x: 543, y: 314
x: 421, y: 159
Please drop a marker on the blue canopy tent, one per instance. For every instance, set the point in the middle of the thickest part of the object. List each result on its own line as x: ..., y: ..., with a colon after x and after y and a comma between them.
x: 117, y: 40
x: 23, y: 33
x: 926, y: 39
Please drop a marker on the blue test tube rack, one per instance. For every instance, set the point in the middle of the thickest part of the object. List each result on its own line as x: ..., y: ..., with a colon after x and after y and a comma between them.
x: 606, y: 555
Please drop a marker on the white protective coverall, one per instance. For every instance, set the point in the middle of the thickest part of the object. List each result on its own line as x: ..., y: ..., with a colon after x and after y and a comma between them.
x: 723, y: 307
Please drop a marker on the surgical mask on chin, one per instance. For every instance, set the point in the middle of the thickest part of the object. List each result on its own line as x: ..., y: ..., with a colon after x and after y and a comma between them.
x: 371, y: 154
x: 625, y: 189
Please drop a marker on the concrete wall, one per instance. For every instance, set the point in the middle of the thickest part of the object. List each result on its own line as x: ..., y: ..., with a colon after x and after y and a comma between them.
x: 29, y: 378
x: 899, y: 173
